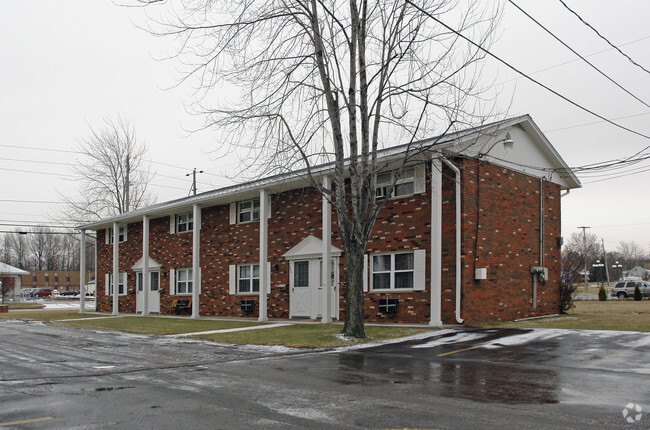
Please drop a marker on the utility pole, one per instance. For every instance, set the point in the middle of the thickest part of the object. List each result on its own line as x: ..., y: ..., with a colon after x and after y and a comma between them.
x: 605, y: 255
x: 584, y: 251
x: 194, y: 172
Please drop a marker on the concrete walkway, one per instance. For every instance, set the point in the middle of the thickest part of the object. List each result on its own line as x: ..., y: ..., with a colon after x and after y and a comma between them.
x: 230, y: 330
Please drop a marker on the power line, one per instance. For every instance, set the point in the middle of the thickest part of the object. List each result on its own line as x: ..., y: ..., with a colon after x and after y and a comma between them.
x: 576, y: 53
x: 568, y: 100
x: 31, y: 201
x: 604, y: 38
x: 595, y: 122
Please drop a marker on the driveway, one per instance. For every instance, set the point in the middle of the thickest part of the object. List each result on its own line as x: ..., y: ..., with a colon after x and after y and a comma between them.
x: 54, y: 377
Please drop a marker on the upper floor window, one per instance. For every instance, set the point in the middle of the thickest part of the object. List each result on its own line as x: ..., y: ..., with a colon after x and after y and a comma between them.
x: 184, y: 222
x: 393, y: 271
x: 248, y: 278
x: 121, y: 235
x: 121, y: 290
x: 248, y: 210
x: 404, y: 183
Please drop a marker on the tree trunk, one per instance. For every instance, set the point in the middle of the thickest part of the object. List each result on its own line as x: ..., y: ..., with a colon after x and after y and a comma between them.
x: 354, y: 303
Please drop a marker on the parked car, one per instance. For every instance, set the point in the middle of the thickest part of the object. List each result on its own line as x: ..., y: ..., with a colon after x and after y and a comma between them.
x: 69, y: 293
x: 626, y: 289
x: 43, y: 292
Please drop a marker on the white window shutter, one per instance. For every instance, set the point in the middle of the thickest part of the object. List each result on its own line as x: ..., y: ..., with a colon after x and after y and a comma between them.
x: 107, y: 285
x: 419, y: 269
x: 365, y: 273
x: 233, y: 213
x: 125, y: 278
x: 419, y: 186
x: 232, y: 279
x: 198, y: 282
x: 268, y: 277
x: 172, y: 282
x: 172, y: 224
x: 126, y: 231
x: 268, y: 206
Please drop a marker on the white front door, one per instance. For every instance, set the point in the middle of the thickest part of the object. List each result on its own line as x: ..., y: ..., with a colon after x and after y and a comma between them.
x: 153, y: 293
x: 301, y: 285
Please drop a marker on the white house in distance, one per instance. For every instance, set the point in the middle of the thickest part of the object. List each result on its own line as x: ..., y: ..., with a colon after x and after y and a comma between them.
x: 10, y: 277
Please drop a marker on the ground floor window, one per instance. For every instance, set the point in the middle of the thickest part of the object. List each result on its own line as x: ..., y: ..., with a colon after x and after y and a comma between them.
x: 248, y: 278
x: 184, y: 281
x: 393, y: 271
x: 121, y: 286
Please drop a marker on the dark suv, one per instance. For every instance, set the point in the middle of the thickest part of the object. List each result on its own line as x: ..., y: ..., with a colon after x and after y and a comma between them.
x: 626, y: 289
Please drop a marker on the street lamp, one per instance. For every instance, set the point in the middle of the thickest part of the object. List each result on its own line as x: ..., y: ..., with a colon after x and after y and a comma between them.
x: 617, y: 266
x: 597, y: 265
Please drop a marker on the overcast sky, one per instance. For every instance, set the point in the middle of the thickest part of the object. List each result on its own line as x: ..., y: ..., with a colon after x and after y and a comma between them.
x: 67, y: 64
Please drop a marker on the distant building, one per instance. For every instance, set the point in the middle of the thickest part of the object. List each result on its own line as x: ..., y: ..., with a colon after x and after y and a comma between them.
x: 637, y: 271
x: 62, y: 280
x: 11, y: 279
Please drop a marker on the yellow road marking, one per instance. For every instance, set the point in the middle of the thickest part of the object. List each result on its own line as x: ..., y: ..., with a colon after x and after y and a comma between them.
x: 458, y: 350
x: 33, y: 420
x: 609, y: 357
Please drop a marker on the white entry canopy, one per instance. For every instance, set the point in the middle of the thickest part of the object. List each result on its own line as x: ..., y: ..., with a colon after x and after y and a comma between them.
x: 310, y: 247
x: 137, y: 267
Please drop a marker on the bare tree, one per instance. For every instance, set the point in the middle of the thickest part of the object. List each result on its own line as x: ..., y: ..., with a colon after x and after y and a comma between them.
x: 19, y: 246
x: 574, y: 253
x: 630, y: 254
x: 332, y: 81
x: 114, y: 175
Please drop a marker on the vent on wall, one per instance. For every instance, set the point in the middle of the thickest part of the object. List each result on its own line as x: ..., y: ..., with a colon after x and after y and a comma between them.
x: 248, y: 306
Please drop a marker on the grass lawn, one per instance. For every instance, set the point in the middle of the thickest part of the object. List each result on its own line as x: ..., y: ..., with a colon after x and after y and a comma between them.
x: 310, y: 335
x: 23, y: 305
x: 626, y: 315
x: 46, y: 315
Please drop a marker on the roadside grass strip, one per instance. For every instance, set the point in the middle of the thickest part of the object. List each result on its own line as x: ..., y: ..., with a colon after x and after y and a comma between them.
x: 231, y: 330
x: 89, y: 318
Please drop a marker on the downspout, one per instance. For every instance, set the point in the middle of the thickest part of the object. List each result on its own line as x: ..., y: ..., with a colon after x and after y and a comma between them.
x: 456, y: 170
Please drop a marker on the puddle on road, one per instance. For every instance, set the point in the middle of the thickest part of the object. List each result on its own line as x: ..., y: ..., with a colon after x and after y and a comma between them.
x: 469, y: 380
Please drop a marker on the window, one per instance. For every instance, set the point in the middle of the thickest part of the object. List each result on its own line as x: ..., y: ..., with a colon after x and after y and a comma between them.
x: 393, y: 271
x: 248, y: 210
x: 301, y: 274
x: 248, y: 279
x: 154, y: 281
x: 404, y: 184
x: 121, y: 291
x: 184, y: 222
x: 184, y: 281
x: 121, y: 235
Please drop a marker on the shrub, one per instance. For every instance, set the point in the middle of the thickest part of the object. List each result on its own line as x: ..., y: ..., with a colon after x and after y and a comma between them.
x: 567, y: 289
x: 602, y: 294
x: 637, y: 293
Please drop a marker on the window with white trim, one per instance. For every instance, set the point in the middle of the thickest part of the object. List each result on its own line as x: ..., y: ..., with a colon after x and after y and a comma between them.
x: 248, y: 210
x: 121, y: 290
x: 184, y: 222
x: 393, y: 271
x: 248, y: 278
x: 404, y: 183
x: 184, y: 281
x: 121, y: 235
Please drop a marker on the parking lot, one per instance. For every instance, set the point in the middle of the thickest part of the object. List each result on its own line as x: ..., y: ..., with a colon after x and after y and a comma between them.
x: 56, y: 377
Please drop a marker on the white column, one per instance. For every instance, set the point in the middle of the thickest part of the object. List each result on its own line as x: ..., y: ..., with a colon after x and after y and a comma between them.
x: 326, y: 281
x: 145, y: 266
x: 265, y: 286
x: 116, y: 267
x: 436, y: 243
x: 82, y: 272
x: 196, y: 261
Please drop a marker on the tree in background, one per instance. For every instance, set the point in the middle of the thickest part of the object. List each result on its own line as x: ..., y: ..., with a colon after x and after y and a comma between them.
x: 630, y: 254
x: 335, y: 81
x: 113, y: 172
x: 574, y: 253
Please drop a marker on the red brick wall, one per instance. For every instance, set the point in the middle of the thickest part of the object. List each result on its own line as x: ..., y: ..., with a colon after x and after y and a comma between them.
x: 506, y: 211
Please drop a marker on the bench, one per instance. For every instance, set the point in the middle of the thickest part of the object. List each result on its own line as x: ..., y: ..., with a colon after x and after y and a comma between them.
x: 180, y: 306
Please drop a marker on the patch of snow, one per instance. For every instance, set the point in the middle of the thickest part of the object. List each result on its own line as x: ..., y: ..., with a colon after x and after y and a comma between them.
x: 523, y: 338
x: 456, y: 338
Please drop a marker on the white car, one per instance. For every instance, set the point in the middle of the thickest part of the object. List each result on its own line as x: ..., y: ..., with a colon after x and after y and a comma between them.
x: 626, y: 289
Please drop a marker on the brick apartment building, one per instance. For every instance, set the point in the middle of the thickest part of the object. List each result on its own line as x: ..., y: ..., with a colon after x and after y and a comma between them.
x: 472, y: 233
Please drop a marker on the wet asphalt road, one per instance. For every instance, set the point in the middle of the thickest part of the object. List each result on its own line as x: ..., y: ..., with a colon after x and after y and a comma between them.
x: 60, y: 378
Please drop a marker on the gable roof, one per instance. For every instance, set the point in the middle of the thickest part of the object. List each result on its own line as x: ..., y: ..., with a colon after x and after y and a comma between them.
x: 6, y: 269
x: 310, y: 247
x: 536, y: 148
